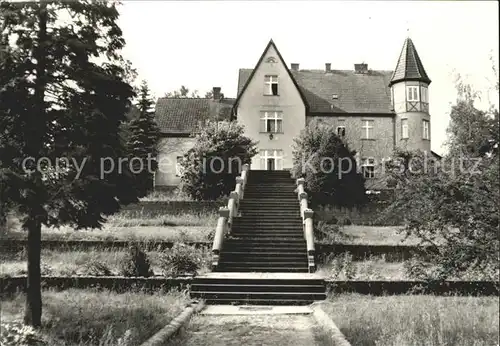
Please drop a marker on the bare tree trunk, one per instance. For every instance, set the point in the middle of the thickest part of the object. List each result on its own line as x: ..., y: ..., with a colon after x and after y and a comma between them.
x: 33, y: 311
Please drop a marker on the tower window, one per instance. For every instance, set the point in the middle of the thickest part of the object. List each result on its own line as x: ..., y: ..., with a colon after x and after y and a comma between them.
x: 367, y: 128
x: 178, y: 167
x: 425, y: 129
x: 404, y: 128
x: 368, y: 168
x: 424, y: 95
x: 341, y: 131
x: 271, y: 122
x: 271, y: 85
x: 412, y: 93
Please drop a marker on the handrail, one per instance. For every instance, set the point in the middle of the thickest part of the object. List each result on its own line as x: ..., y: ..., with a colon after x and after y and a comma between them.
x: 227, y: 215
x: 308, y: 225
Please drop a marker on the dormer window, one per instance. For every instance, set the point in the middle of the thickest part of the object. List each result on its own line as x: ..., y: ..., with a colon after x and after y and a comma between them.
x: 341, y: 131
x: 271, y: 85
x: 412, y: 93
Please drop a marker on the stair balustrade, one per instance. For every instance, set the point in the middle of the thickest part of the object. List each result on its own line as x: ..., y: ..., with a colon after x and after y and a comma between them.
x: 226, y: 215
x: 307, y: 221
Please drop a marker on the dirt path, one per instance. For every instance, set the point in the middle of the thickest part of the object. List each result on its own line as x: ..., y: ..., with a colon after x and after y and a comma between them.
x: 251, y: 330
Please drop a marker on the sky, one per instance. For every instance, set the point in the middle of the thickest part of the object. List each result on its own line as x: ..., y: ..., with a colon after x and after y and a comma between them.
x: 202, y: 44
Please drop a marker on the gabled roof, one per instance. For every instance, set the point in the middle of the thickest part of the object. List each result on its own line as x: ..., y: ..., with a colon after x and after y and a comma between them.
x: 356, y: 93
x: 184, y: 115
x: 244, y: 84
x: 409, y: 66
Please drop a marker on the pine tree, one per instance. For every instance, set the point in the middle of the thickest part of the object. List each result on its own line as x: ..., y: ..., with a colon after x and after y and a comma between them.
x: 57, y: 102
x: 142, y: 142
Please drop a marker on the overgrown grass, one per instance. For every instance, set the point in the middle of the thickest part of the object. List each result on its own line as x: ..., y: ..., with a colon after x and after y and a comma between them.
x: 70, y: 263
x: 342, y: 267
x: 367, y: 235
x: 376, y: 268
x: 415, y: 320
x: 110, y: 233
x: 86, y: 317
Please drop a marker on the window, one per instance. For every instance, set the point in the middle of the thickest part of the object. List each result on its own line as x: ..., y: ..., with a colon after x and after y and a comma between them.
x: 368, y: 168
x: 271, y: 122
x: 367, y: 128
x: 271, y: 85
x: 178, y: 167
x: 425, y: 127
x: 271, y: 159
x: 404, y: 128
x: 412, y: 93
x: 341, y: 131
x: 423, y: 94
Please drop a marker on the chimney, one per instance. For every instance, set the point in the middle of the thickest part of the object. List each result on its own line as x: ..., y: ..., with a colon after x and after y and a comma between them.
x: 361, y: 68
x: 216, y: 93
x: 295, y: 67
x: 328, y: 67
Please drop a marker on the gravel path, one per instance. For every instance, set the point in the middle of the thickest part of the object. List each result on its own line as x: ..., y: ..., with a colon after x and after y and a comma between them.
x: 251, y: 330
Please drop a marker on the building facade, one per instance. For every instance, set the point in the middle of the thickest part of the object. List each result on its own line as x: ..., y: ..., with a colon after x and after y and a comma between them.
x: 375, y: 112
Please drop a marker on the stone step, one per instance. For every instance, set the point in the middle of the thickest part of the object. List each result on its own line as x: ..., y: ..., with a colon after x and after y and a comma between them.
x: 291, y: 216
x: 264, y: 255
x: 247, y: 269
x: 274, y: 263
x: 266, y: 249
x: 259, y: 295
x: 267, y: 229
x: 264, y: 244
x: 228, y: 287
x: 295, y: 302
x: 249, y: 221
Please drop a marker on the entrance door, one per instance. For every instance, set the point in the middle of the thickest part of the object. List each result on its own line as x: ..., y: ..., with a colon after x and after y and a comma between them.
x: 271, y: 164
x: 271, y: 160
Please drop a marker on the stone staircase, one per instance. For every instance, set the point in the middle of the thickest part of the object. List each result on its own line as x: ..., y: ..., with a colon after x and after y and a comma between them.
x: 263, y: 259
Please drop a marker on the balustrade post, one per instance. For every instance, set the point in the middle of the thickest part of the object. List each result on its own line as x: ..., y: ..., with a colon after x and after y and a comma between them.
x: 303, y: 204
x: 239, y: 186
x: 244, y: 175
x: 233, y: 208
x: 300, y: 186
x: 220, y: 231
x: 309, y: 235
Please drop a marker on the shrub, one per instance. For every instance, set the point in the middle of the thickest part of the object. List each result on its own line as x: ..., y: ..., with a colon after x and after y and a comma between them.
x: 328, y: 167
x: 96, y: 268
x: 136, y: 263
x: 14, y: 334
x: 211, y: 166
x: 181, y: 259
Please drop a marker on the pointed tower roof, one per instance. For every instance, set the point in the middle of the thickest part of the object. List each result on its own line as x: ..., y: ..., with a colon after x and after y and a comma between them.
x: 409, y: 65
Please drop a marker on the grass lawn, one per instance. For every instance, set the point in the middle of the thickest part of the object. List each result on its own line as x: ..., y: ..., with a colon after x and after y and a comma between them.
x: 415, y: 320
x: 86, y: 317
x: 69, y: 263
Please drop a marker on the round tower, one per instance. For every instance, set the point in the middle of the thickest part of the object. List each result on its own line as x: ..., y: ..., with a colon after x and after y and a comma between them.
x: 410, y: 99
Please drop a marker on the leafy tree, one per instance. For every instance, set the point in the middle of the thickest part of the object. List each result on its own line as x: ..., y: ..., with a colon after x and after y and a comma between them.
x: 328, y: 167
x: 211, y: 166
x: 57, y: 102
x: 143, y: 141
